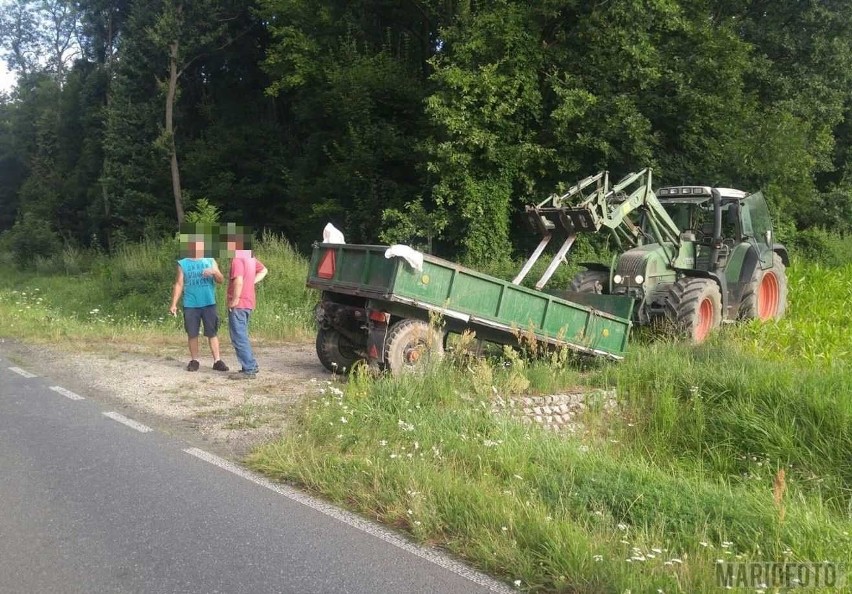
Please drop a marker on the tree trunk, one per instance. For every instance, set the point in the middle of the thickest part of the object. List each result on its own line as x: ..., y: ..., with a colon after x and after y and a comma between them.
x: 108, y: 103
x: 170, y: 133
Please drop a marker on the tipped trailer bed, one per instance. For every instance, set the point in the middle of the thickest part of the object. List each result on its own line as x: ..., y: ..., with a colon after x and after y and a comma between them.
x: 383, y: 310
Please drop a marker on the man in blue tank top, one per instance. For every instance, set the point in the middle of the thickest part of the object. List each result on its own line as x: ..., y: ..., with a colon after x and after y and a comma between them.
x: 195, y: 277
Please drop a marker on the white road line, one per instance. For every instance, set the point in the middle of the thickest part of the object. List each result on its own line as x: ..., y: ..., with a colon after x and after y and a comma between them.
x: 22, y: 372
x: 357, y: 522
x: 129, y: 422
x: 66, y: 393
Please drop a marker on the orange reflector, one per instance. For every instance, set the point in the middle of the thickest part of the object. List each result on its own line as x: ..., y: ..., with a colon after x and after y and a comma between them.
x: 373, y: 352
x: 326, y: 265
x: 378, y: 316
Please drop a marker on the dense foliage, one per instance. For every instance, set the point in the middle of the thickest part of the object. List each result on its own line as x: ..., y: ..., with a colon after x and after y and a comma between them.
x: 416, y: 120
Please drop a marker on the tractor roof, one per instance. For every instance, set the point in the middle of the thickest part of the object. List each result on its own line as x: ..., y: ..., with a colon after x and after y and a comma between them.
x: 696, y: 193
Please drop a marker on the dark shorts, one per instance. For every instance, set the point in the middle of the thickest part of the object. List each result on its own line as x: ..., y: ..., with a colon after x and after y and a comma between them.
x: 193, y: 316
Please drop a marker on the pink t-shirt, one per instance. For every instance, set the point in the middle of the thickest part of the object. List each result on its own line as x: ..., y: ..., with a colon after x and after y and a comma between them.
x: 246, y: 266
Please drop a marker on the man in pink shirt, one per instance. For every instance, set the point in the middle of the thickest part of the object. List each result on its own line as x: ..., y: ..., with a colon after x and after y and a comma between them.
x: 246, y: 272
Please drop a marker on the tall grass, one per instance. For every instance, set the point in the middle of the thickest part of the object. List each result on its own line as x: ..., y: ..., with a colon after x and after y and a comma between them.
x: 652, y: 503
x: 818, y: 324
x: 284, y: 304
x: 89, y: 294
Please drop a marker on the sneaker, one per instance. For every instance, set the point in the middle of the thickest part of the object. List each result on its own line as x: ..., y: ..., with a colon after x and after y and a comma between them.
x: 220, y: 366
x: 242, y: 375
x: 192, y: 365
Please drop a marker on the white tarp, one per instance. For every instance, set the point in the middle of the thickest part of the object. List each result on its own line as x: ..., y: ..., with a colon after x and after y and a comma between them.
x: 409, y: 254
x: 332, y: 234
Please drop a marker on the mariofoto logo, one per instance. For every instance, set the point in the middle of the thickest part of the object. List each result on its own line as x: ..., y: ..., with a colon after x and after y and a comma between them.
x: 762, y: 575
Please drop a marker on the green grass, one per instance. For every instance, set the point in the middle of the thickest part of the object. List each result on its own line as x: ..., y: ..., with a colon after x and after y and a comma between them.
x: 650, y: 497
x: 126, y: 296
x: 427, y: 455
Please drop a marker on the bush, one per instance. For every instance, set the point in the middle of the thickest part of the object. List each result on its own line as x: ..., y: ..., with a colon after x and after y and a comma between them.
x: 30, y: 239
x: 824, y: 247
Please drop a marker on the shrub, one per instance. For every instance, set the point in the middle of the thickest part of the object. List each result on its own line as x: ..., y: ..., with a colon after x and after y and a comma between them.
x: 32, y: 238
x: 819, y: 245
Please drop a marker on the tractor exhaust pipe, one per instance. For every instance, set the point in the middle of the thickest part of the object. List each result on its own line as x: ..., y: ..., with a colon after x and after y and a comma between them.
x: 717, y: 229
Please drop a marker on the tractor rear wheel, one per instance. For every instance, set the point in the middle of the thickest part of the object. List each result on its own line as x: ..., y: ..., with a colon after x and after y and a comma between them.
x: 694, y: 305
x: 411, y: 344
x: 765, y: 297
x: 335, y: 351
x: 591, y: 281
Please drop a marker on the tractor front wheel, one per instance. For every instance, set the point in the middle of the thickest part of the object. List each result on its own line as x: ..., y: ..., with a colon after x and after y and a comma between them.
x: 335, y: 351
x: 694, y: 305
x: 411, y: 344
x: 765, y: 297
x: 591, y: 281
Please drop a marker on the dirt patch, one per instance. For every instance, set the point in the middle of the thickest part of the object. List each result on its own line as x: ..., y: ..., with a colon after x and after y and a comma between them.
x: 151, y: 380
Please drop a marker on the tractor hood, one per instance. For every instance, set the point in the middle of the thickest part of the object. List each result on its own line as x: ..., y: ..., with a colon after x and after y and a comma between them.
x: 637, y: 265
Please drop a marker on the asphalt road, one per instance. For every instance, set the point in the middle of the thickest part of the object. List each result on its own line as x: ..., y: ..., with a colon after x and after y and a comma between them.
x: 91, y: 504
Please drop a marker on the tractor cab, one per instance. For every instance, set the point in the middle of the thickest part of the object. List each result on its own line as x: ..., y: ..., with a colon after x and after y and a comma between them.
x: 718, y: 226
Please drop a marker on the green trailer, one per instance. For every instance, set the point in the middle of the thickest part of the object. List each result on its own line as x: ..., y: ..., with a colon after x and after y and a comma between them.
x: 383, y: 310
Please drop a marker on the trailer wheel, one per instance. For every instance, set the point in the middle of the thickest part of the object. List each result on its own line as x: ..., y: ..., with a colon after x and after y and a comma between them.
x: 591, y: 281
x: 694, y: 305
x: 411, y: 344
x: 335, y: 351
x: 765, y: 297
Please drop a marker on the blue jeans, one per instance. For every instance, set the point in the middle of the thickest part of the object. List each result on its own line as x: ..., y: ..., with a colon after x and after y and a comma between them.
x: 238, y: 323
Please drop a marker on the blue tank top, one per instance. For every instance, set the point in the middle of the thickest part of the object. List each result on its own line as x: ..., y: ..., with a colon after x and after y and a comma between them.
x: 198, y: 291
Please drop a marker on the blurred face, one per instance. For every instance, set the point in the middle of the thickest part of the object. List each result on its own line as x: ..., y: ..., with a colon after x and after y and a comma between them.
x: 196, y: 249
x: 235, y: 242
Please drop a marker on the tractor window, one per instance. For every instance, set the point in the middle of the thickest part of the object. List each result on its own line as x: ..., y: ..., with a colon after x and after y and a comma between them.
x: 704, y: 221
x: 754, y: 207
x: 680, y: 214
x: 729, y: 222
x: 698, y: 218
x: 691, y: 216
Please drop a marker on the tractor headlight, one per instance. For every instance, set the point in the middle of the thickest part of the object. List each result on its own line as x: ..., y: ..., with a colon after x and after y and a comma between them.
x: 617, y: 279
x: 639, y: 279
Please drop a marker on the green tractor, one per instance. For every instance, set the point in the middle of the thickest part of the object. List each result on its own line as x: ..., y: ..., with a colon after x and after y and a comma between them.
x: 693, y: 256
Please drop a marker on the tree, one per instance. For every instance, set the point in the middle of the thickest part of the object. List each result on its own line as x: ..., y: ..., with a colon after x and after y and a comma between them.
x: 352, y: 78
x: 186, y: 31
x: 19, y: 35
x: 60, y: 33
x: 40, y: 35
